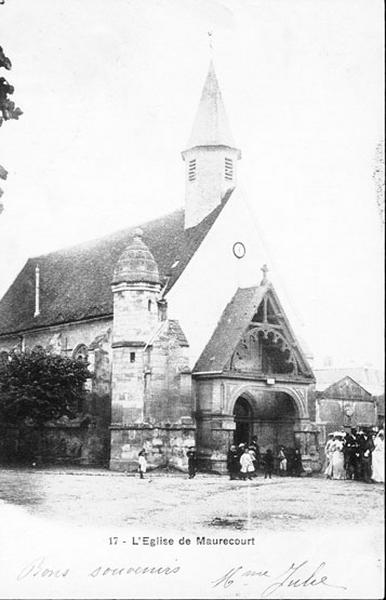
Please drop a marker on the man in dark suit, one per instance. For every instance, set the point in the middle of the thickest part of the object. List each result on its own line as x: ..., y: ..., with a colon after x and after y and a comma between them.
x: 192, y: 462
x: 367, y: 447
x: 351, y: 447
x: 233, y: 462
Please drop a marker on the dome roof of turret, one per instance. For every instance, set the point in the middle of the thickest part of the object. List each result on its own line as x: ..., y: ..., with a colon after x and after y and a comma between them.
x: 136, y: 263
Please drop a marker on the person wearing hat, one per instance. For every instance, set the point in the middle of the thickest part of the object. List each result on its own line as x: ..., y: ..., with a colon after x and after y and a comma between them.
x: 328, y: 455
x: 337, y: 457
x: 240, y: 452
x: 367, y: 448
x: 233, y: 462
x: 350, y: 448
x: 246, y: 465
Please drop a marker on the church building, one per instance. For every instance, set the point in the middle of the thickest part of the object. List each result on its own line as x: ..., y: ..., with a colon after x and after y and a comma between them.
x: 184, y: 333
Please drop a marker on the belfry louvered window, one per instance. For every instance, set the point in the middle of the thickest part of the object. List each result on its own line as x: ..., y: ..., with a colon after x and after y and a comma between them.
x: 192, y: 170
x: 228, y: 168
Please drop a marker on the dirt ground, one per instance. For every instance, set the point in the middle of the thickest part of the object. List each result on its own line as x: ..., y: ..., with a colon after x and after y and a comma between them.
x: 82, y: 534
x: 159, y: 501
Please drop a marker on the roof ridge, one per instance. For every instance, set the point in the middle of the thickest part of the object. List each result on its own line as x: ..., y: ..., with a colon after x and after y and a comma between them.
x: 106, y: 236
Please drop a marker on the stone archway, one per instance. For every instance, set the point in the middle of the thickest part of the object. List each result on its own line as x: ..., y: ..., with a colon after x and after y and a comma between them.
x: 278, y: 417
x: 271, y: 416
x: 251, y: 391
x: 243, y: 415
x: 233, y: 410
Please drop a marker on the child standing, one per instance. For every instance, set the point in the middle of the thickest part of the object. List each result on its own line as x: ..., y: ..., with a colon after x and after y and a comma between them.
x: 142, y: 463
x: 246, y: 464
x: 282, y: 462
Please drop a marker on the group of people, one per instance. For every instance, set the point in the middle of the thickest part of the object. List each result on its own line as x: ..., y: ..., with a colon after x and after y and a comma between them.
x: 358, y: 454
x: 244, y: 460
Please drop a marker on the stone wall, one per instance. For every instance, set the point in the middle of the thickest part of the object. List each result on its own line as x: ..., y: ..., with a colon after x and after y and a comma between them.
x: 165, y: 446
x: 167, y: 380
x: 55, y: 444
x: 62, y: 338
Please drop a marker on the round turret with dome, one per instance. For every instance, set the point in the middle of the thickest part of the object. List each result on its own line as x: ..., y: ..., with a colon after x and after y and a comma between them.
x: 136, y: 287
x: 136, y: 263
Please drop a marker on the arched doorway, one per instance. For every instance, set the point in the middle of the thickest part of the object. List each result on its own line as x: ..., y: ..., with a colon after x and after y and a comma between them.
x: 243, y: 418
x: 272, y: 416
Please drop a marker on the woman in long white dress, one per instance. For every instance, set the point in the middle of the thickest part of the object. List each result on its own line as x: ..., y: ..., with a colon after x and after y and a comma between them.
x: 378, y: 458
x: 328, y: 454
x: 337, y: 459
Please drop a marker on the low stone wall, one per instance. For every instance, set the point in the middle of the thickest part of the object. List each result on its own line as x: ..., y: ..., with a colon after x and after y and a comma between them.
x: 55, y: 444
x: 165, y: 446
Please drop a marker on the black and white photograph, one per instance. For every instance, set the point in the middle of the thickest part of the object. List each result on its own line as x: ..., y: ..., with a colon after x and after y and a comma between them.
x: 191, y: 299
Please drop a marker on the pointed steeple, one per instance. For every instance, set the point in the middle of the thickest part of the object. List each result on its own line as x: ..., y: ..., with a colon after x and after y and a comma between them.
x: 211, y: 127
x: 211, y: 155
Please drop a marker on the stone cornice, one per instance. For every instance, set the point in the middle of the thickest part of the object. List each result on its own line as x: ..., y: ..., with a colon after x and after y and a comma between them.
x: 128, y: 344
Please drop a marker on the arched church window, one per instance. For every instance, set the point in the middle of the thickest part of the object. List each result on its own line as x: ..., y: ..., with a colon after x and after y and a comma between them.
x: 149, y: 305
x: 81, y: 353
x: 228, y: 169
x: 192, y: 170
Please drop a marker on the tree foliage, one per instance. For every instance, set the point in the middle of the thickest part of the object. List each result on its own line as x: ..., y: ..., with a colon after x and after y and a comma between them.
x: 36, y: 387
x: 8, y: 109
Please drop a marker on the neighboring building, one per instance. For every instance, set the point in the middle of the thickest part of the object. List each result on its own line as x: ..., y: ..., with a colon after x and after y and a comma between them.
x: 347, y: 398
x: 183, y: 339
x: 380, y: 400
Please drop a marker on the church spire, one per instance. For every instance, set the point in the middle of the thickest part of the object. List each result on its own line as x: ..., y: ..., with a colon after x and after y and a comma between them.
x: 211, y: 127
x: 211, y: 155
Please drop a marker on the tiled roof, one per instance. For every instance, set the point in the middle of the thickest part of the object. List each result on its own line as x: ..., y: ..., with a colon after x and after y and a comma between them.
x: 234, y: 321
x: 75, y: 282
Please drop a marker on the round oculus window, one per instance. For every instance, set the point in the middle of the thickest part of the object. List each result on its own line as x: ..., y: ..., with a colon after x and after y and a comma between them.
x: 239, y: 249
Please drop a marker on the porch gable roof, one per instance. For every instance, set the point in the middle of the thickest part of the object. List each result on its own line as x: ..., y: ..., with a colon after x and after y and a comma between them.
x: 233, y: 324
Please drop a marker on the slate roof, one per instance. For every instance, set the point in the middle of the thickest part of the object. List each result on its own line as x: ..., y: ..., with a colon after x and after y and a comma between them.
x: 75, y: 282
x: 371, y: 379
x: 233, y: 323
x: 174, y: 329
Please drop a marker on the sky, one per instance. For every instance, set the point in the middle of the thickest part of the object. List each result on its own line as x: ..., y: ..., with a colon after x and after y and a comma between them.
x: 109, y: 91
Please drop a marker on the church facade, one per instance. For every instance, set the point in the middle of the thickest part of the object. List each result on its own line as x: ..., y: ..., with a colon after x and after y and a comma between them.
x: 187, y: 344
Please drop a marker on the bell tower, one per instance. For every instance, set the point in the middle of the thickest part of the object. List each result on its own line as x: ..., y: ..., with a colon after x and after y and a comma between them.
x: 211, y: 157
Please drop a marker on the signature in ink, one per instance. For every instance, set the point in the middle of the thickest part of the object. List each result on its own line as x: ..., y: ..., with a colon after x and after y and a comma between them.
x: 298, y: 575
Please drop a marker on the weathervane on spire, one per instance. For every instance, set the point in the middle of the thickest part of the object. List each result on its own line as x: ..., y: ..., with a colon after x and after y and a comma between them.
x: 264, y: 269
x: 210, y: 37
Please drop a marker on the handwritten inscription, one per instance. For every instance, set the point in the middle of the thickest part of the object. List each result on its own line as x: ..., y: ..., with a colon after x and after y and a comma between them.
x: 39, y: 569
x: 298, y: 575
